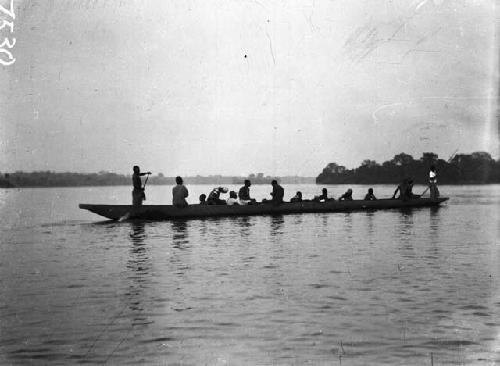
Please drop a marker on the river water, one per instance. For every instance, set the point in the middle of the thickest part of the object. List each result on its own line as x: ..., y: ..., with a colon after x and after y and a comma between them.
x: 417, y: 287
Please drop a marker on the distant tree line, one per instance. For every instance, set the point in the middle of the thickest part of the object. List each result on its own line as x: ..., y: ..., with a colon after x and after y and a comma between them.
x: 103, y: 178
x: 53, y: 179
x: 475, y: 168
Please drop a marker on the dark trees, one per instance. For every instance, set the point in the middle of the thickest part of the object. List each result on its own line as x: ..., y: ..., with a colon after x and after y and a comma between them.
x: 475, y: 168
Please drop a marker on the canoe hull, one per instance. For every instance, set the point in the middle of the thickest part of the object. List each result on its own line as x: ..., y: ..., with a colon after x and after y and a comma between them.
x: 169, y: 212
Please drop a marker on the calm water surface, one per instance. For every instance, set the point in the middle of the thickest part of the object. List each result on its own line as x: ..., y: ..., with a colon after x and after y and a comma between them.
x: 365, y: 288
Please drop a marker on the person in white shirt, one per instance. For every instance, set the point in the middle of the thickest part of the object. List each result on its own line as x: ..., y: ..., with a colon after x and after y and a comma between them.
x: 233, y: 199
x: 434, y: 191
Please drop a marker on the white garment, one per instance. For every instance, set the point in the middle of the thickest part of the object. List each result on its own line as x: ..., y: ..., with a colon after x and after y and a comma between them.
x: 432, y: 177
x: 232, y: 201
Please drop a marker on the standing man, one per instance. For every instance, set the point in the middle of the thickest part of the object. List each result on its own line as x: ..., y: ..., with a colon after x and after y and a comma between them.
x: 434, y: 191
x: 179, y: 194
x: 138, y: 194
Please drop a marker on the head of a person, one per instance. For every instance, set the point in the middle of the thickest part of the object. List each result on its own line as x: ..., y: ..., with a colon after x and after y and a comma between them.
x: 203, y: 197
x: 274, y: 182
x: 232, y: 194
x: 247, y: 183
x: 433, y: 168
x: 299, y: 194
x: 324, y: 191
x: 136, y: 169
x: 178, y: 180
x: 349, y: 190
x: 223, y: 189
x: 370, y: 190
x: 410, y: 182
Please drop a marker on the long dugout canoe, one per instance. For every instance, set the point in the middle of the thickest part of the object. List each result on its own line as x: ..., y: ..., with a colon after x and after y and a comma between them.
x: 169, y: 212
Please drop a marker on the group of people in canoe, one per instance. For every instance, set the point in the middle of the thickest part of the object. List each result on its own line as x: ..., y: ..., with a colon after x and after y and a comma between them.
x: 180, y: 192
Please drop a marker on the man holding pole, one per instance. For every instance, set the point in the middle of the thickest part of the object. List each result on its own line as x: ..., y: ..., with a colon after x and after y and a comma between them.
x: 434, y: 191
x: 138, y: 194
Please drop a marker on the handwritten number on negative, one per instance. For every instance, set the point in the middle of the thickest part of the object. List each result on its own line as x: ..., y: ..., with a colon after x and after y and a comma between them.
x: 6, y: 23
x: 9, y: 12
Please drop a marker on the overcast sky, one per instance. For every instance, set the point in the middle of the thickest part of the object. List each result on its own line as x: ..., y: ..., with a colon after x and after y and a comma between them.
x: 233, y: 87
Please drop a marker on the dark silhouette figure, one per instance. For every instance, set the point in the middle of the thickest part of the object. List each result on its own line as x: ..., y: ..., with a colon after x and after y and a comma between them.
x: 297, y: 197
x: 323, y: 197
x: 347, y: 196
x: 179, y: 194
x: 402, y: 189
x: 434, y: 191
x: 244, y: 194
x: 138, y: 194
x: 405, y: 190
x: 278, y: 193
x: 370, y: 196
x: 214, y: 196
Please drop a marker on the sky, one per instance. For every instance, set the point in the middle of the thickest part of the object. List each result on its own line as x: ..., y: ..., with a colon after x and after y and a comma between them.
x: 234, y: 87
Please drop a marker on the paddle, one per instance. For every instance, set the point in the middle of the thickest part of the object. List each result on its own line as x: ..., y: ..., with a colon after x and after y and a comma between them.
x: 144, y: 186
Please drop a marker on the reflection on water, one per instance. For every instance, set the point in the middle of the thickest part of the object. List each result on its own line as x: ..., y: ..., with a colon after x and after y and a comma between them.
x: 406, y: 221
x: 137, y: 233
x: 407, y: 233
x: 434, y: 227
x: 277, y: 225
x: 180, y: 234
x: 297, y: 219
x: 348, y: 222
x: 203, y: 227
x: 139, y: 265
x: 434, y: 214
x: 324, y: 223
x: 179, y: 258
x: 139, y: 261
x: 370, y: 215
x: 245, y: 224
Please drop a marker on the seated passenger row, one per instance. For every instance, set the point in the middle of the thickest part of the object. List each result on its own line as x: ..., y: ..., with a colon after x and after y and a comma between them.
x: 243, y: 196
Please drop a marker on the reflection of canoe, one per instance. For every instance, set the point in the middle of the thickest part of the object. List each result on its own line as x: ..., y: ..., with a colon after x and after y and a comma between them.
x: 167, y: 212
